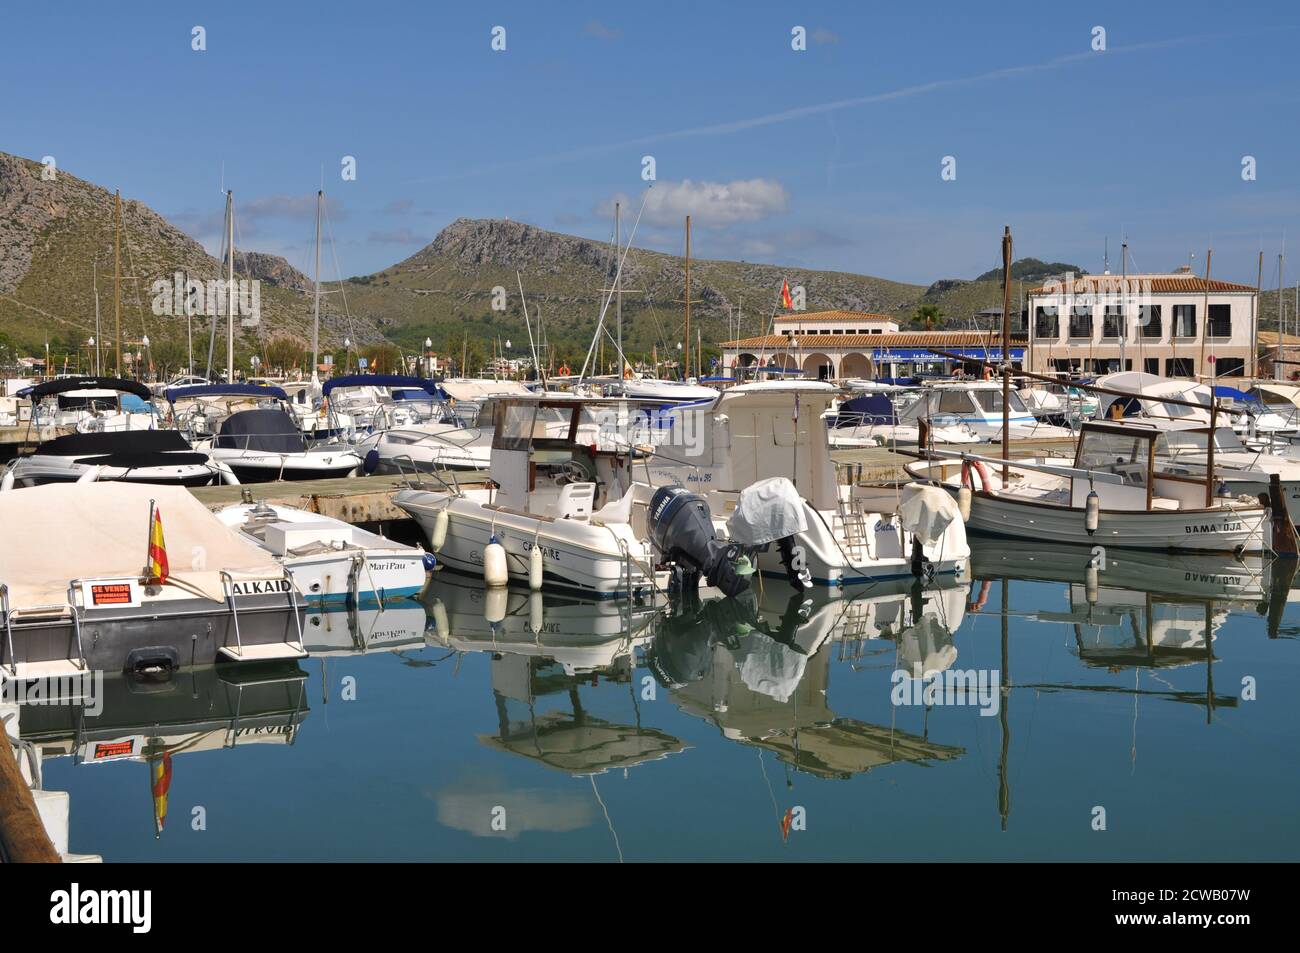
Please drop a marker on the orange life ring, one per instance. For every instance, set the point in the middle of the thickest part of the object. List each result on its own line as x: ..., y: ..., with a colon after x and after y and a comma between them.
x: 978, y: 467
x: 564, y: 370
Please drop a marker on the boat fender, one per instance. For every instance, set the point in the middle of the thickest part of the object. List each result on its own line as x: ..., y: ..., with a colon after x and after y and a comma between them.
x: 535, y: 609
x: 963, y: 503
x: 438, y: 538
x: 430, y: 562
x: 90, y: 476
x: 1091, y: 512
x: 535, y: 568
x: 495, y: 573
x: 371, y: 462
x: 441, y: 625
x: 8, y: 482
x: 1091, y: 582
x: 494, y: 605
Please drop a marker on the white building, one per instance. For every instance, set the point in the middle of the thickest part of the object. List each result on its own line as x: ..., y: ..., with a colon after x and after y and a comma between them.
x: 1172, y: 325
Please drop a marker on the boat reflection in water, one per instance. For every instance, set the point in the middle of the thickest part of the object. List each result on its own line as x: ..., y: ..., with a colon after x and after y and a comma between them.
x: 545, y: 651
x: 154, y: 717
x: 758, y: 667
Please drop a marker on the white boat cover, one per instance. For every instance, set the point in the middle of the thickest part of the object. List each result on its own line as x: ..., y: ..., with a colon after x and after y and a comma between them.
x: 463, y: 389
x: 771, y: 668
x: 65, y: 531
x: 766, y: 511
x: 926, y: 512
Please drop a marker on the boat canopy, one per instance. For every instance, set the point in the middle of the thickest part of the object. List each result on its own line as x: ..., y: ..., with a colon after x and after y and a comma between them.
x: 114, y: 441
x: 226, y: 390
x: 63, y: 385
x: 461, y: 389
x: 263, y: 431
x: 1287, y: 392
x: 866, y: 410
x: 98, y: 530
x: 380, y: 380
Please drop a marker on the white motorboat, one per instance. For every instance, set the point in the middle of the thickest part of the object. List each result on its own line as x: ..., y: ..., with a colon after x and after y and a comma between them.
x: 330, y: 561
x: 554, y: 493
x: 89, y: 404
x: 160, y: 457
x: 74, y: 597
x: 1111, y: 494
x: 978, y: 406
x: 871, y: 420
x: 424, y: 434
x: 756, y: 432
x: 262, y: 443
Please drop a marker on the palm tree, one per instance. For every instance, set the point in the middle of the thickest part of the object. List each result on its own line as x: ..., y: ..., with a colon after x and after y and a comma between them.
x: 927, y: 314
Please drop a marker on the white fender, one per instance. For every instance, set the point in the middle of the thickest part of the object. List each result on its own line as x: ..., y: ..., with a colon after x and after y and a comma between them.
x: 438, y: 535
x: 8, y: 482
x: 495, y: 572
x: 494, y: 604
x: 535, y: 612
x: 440, y: 624
x: 535, y: 568
x: 90, y: 476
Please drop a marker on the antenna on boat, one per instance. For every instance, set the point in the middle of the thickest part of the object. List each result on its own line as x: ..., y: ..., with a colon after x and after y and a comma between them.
x: 1006, y: 353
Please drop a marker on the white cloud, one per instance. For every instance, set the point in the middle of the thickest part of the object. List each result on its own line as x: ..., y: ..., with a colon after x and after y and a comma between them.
x: 710, y: 204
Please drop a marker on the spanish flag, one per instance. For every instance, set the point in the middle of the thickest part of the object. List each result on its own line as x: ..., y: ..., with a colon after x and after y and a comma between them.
x: 158, y: 568
x: 162, y: 782
x: 786, y: 301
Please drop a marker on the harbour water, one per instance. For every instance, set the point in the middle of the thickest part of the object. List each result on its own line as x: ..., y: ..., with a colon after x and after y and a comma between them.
x: 1075, y: 715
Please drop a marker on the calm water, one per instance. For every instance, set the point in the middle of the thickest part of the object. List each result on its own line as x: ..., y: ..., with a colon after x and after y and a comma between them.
x: 690, y: 734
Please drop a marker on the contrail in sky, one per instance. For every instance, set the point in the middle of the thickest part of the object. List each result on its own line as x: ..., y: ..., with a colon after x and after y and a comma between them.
x: 816, y: 109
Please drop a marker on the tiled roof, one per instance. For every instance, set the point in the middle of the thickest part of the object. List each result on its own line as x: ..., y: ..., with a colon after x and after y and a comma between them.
x: 815, y: 342
x: 835, y: 315
x: 1156, y: 284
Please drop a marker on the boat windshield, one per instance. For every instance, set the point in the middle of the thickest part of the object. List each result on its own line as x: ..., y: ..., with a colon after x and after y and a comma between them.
x: 1195, y: 441
x: 520, y: 426
x: 991, y: 401
x: 1106, y: 451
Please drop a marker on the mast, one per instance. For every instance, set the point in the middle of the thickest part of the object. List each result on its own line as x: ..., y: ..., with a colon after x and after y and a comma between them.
x: 117, y: 280
x: 686, y: 362
x: 618, y: 250
x: 1006, y: 352
x: 230, y: 287
x: 1123, y: 306
x: 98, y: 340
x: 1254, y: 322
x: 315, y: 328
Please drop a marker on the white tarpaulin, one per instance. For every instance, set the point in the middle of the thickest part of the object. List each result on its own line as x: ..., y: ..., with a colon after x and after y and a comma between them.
x: 459, y: 389
x: 766, y: 511
x: 66, y: 531
x: 926, y: 512
x: 770, y: 667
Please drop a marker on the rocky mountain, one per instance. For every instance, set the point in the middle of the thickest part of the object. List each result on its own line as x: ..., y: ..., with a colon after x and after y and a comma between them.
x: 57, y: 244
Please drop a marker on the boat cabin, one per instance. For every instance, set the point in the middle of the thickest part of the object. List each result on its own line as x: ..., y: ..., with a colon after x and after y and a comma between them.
x: 1127, y: 467
x: 558, y: 458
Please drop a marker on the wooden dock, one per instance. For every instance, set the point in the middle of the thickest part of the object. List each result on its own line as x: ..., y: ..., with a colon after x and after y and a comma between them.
x: 363, y: 499
x: 369, y: 499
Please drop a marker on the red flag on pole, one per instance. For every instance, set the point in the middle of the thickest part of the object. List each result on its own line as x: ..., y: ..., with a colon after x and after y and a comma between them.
x: 786, y: 301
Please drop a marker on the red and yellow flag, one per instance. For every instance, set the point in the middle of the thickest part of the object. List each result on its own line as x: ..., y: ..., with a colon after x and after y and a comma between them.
x: 158, y: 568
x: 786, y: 301
x: 162, y: 782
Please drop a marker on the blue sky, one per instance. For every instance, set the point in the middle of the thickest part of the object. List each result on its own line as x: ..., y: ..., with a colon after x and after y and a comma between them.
x: 828, y: 158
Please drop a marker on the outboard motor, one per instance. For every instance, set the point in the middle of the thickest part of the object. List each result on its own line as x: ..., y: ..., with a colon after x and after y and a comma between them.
x: 772, y: 511
x: 682, y: 529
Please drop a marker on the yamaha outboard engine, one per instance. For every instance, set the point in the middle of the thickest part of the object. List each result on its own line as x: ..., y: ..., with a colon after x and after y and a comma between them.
x: 682, y: 529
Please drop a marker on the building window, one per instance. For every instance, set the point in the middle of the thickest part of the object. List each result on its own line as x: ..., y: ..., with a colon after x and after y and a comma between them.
x: 1047, y: 324
x: 1081, y: 321
x: 1230, y: 366
x: 1152, y: 322
x: 1151, y: 365
x: 1185, y: 321
x: 1218, y: 323
x: 1179, y: 366
x: 1112, y: 322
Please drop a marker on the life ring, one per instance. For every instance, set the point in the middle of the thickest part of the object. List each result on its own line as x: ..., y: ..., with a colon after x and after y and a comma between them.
x: 978, y: 466
x: 988, y: 373
x: 564, y: 370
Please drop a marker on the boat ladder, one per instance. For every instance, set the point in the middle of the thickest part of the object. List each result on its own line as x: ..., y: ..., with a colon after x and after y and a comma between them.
x: 44, y: 668
x: 262, y: 651
x: 855, y: 528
